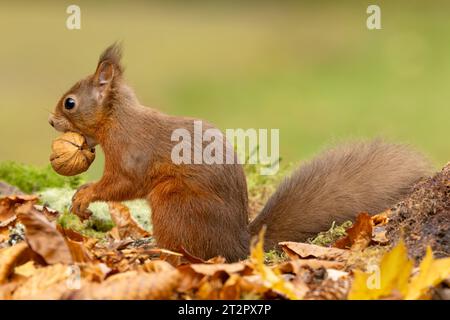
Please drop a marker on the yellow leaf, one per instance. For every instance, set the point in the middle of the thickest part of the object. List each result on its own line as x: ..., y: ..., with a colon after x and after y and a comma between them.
x: 431, y: 273
x: 27, y: 270
x: 390, y: 278
x: 271, y: 277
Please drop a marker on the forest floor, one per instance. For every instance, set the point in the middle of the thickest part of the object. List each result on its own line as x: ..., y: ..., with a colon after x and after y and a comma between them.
x: 402, y: 253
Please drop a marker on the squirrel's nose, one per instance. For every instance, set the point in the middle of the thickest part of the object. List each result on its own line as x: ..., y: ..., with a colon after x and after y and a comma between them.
x: 50, y: 121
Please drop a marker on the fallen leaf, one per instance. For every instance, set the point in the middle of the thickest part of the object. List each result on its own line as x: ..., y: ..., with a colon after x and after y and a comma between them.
x: 50, y: 282
x: 358, y: 235
x: 78, y: 251
x: 11, y: 257
x: 190, y: 257
x: 71, y: 234
x: 42, y: 236
x: 390, y: 278
x: 131, y: 285
x: 4, y: 234
x: 431, y: 273
x: 210, y: 290
x: 296, y: 250
x: 157, y: 266
x: 190, y: 279
x: 379, y: 236
x: 330, y: 289
x: 126, y: 225
x: 7, y: 290
x: 294, y: 266
x: 94, y: 272
x: 50, y: 214
x: 382, y: 218
x: 231, y: 289
x: 211, y: 269
x: 115, y: 234
x: 196, y: 275
x: 253, y: 284
x: 335, y: 275
x: 9, y: 205
x: 271, y: 278
x: 26, y: 269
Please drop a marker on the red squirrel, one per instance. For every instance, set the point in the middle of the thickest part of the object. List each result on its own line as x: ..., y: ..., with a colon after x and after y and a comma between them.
x: 203, y: 208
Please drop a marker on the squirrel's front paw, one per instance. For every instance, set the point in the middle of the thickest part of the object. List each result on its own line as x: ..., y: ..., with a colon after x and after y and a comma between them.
x: 81, y: 200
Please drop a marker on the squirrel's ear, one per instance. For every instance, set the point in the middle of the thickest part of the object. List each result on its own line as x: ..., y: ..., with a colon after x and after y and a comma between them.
x: 109, y: 66
x: 104, y: 73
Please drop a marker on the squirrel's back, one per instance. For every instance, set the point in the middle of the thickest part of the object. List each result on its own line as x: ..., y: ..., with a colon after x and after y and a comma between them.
x: 338, y: 184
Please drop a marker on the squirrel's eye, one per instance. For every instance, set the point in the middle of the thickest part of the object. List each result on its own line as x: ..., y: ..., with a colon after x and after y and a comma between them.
x: 69, y: 103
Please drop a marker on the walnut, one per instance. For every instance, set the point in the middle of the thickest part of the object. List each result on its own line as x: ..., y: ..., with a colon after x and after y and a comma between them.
x: 71, y: 154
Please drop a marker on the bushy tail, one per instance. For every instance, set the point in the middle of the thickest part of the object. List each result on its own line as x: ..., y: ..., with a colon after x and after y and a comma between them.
x: 337, y: 185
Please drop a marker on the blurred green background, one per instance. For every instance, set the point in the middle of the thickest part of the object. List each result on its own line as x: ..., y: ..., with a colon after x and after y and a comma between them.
x: 311, y: 69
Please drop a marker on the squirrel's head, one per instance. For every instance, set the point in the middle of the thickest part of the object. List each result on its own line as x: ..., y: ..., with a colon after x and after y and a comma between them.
x: 86, y: 106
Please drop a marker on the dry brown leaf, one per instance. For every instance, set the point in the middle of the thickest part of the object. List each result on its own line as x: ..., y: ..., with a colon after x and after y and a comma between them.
x: 7, y: 289
x: 379, y: 236
x: 190, y: 279
x: 296, y: 250
x: 50, y: 214
x: 94, y: 272
x: 4, y: 234
x: 47, y: 283
x: 382, y: 218
x: 115, y: 234
x: 42, y: 236
x: 231, y: 289
x: 294, y: 266
x: 330, y: 290
x: 195, y: 275
x: 131, y: 285
x: 379, y: 222
x: 78, y: 251
x: 210, y: 289
x: 172, y: 257
x: 358, y: 235
x: 71, y: 234
x: 252, y: 284
x: 126, y: 225
x: 211, y: 269
x: 9, y: 205
x: 157, y: 266
x: 193, y: 259
x: 190, y: 257
x: 11, y: 257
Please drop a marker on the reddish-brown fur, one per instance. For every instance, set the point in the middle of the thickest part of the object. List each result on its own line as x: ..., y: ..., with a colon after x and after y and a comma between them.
x: 203, y: 208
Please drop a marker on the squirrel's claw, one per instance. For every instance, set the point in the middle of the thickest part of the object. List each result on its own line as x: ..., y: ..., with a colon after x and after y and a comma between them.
x: 80, y: 203
x: 77, y: 209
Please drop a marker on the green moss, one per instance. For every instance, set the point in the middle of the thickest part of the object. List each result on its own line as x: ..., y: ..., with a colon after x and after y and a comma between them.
x: 60, y: 199
x: 70, y: 221
x: 261, y: 187
x: 32, y: 179
x: 328, y: 237
x: 275, y: 257
x: 255, y: 180
x: 101, y: 223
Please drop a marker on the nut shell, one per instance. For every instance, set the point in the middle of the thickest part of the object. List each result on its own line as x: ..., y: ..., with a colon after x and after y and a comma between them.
x: 71, y: 154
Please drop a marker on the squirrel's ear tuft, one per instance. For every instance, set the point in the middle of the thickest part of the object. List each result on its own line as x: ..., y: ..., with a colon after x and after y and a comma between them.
x: 112, y: 55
